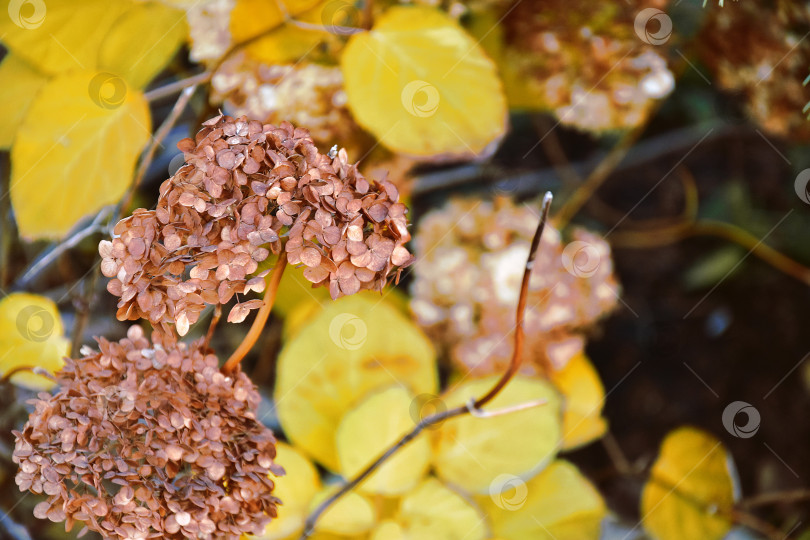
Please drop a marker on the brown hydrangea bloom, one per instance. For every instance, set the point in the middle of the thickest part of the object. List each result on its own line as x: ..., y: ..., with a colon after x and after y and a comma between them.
x: 245, y: 186
x: 472, y: 254
x: 143, y: 441
x: 583, y: 61
x: 759, y: 50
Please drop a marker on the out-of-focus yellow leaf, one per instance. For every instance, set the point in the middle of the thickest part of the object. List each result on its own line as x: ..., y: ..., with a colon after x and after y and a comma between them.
x: 690, y: 487
x: 370, y: 429
x: 434, y: 511
x: 21, y: 83
x: 60, y: 35
x: 423, y: 86
x: 250, y: 18
x: 353, y: 346
x: 583, y: 398
x: 289, y: 43
x: 557, y: 504
x: 31, y: 335
x: 352, y: 514
x: 472, y: 453
x: 75, y: 151
x: 388, y: 530
x: 142, y: 41
x: 296, y: 489
x: 295, y: 290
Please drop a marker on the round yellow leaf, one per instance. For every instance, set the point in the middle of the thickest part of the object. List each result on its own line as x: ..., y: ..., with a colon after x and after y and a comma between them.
x: 57, y: 36
x: 352, y: 514
x: 472, y: 453
x: 372, y: 427
x: 423, y: 86
x: 296, y: 489
x: 142, y: 41
x: 690, y: 487
x: 75, y: 151
x: 434, y: 511
x: 31, y: 335
x: 557, y: 504
x: 583, y: 399
x: 21, y: 85
x: 353, y: 346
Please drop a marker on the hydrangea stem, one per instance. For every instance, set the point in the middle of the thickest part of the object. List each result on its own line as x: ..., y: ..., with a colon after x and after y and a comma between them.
x: 472, y: 406
x: 261, y: 317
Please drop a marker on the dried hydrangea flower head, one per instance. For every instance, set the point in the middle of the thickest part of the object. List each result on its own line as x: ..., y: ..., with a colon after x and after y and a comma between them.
x: 143, y: 441
x: 248, y: 189
x: 584, y: 61
x: 759, y: 50
x: 465, y: 288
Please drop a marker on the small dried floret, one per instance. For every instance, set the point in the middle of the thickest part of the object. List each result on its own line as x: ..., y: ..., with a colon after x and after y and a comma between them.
x: 147, y: 441
x: 244, y: 188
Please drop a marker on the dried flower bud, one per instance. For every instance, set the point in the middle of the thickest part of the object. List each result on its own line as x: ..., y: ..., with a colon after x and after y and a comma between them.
x: 244, y: 187
x: 143, y: 441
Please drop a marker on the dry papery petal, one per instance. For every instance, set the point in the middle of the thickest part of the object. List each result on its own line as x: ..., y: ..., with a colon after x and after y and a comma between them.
x: 244, y: 187
x: 171, y: 447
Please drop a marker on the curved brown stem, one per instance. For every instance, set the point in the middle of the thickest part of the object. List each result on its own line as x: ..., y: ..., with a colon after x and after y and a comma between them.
x: 211, y: 327
x: 261, y: 317
x: 470, y: 408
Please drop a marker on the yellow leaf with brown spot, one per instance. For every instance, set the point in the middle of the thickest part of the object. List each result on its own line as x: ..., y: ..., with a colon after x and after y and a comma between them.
x: 75, y: 151
x: 353, y: 346
x: 423, y: 86
x: 372, y: 427
x: 22, y: 82
x: 691, y: 489
x: 472, y: 453
x: 31, y: 336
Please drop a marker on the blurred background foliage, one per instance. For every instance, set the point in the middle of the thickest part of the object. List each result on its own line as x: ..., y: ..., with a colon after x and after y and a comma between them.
x: 673, y: 284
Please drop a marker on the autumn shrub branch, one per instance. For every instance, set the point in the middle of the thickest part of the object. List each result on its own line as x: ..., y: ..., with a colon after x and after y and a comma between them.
x: 472, y: 407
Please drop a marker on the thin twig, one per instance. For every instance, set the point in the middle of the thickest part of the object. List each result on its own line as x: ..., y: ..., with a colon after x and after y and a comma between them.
x: 177, y: 86
x: 36, y: 370
x: 597, y: 176
x: 261, y: 317
x: 157, y: 139
x: 50, y: 255
x: 212, y: 326
x: 468, y: 408
x: 779, y: 497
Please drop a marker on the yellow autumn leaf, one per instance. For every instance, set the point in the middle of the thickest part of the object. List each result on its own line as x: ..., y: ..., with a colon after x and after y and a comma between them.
x: 142, y: 41
x: 57, y: 36
x: 249, y: 18
x: 372, y: 427
x: 21, y: 83
x: 433, y: 510
x: 388, y: 530
x: 31, y: 335
x: 557, y: 504
x: 690, y: 490
x: 289, y: 43
x: 583, y: 399
x: 296, y: 489
x: 353, y: 346
x: 351, y: 514
x: 474, y: 453
x: 422, y: 85
x: 75, y: 151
